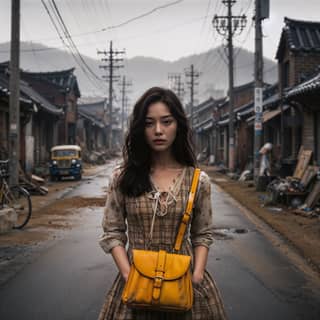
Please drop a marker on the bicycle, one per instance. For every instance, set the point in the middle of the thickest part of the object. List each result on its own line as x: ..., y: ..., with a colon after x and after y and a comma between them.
x: 15, y: 197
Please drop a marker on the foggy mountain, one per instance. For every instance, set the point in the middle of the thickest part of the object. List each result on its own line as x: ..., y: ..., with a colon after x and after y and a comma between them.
x: 145, y: 72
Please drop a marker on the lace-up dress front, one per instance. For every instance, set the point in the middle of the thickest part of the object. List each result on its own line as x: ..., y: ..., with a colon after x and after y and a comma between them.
x: 130, y: 220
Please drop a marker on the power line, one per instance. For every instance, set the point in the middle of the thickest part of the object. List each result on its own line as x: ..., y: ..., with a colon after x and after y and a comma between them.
x: 60, y: 36
x: 125, y: 22
x: 169, y: 29
x: 68, y: 36
x: 144, y: 14
x: 216, y: 10
x: 203, y: 23
x: 70, y: 45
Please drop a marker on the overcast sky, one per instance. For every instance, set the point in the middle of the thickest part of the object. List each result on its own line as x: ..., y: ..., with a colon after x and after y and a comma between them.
x: 169, y: 33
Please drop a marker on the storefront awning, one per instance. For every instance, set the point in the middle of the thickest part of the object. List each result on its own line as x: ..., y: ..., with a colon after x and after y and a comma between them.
x: 268, y: 115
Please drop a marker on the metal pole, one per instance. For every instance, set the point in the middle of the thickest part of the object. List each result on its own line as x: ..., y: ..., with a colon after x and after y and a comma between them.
x: 110, y: 91
x: 191, y: 94
x: 231, y: 96
x: 258, y: 92
x: 123, y: 103
x: 227, y: 26
x: 14, y: 115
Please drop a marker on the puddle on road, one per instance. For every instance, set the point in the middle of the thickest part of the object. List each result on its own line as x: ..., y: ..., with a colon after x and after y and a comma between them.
x: 228, y: 233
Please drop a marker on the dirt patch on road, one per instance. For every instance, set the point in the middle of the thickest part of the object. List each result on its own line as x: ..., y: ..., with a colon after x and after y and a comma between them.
x: 303, y: 233
x: 63, y: 206
x: 59, y: 215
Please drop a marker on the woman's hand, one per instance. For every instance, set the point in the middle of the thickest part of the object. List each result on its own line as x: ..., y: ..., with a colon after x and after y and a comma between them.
x: 197, y: 277
x: 201, y: 254
x: 121, y: 259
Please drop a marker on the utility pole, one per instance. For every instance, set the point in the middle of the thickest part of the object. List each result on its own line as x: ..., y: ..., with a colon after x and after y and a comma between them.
x: 192, y: 74
x: 124, y: 85
x: 176, y: 84
x: 228, y: 26
x: 261, y: 12
x: 14, y: 81
x: 110, y: 77
x: 126, y: 105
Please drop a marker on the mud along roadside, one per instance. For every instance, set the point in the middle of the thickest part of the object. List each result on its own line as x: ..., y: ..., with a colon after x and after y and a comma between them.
x: 301, y: 233
x: 53, y: 215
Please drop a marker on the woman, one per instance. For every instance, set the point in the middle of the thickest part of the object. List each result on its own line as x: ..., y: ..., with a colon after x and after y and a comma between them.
x: 156, y: 177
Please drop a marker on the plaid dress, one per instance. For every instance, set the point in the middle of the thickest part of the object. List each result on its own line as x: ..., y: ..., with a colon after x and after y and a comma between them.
x: 127, y: 221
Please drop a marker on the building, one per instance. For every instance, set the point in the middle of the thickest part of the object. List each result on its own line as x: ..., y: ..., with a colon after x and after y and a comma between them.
x: 306, y: 96
x: 298, y: 56
x: 94, y: 125
x: 61, y: 89
x: 39, y: 119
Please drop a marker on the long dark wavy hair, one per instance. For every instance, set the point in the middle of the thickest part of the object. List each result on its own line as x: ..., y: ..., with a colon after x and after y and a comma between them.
x: 134, y: 176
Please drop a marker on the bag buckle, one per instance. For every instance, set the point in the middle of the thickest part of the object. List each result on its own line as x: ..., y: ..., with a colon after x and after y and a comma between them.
x: 158, y: 281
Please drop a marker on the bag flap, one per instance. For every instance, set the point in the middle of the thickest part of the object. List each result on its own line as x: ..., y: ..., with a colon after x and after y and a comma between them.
x: 176, y: 265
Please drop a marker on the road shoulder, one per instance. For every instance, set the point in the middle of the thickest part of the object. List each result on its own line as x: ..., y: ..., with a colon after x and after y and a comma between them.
x: 301, y: 232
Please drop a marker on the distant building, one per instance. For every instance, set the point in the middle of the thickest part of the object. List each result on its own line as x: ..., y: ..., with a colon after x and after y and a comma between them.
x: 94, y: 125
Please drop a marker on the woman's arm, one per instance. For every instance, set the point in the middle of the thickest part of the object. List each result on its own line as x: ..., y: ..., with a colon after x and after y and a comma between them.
x: 200, y: 257
x: 114, y: 237
x: 201, y: 228
x: 120, y: 257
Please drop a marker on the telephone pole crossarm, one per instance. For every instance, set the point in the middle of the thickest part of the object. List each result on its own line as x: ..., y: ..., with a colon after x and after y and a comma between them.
x: 192, y: 75
x: 228, y: 26
x: 124, y: 85
x: 111, y: 78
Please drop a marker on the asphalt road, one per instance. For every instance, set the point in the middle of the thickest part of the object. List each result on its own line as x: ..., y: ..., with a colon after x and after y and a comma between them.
x: 256, y: 274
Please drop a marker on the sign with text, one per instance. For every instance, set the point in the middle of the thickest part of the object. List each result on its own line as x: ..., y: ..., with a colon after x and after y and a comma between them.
x: 258, y: 100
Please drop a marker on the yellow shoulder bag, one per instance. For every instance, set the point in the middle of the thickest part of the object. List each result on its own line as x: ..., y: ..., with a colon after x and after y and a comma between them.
x: 161, y: 280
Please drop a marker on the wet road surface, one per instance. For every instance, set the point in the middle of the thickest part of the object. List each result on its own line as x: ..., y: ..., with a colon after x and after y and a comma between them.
x: 69, y: 279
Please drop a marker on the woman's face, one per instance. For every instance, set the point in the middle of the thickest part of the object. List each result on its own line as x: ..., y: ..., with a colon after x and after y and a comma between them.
x: 160, y: 127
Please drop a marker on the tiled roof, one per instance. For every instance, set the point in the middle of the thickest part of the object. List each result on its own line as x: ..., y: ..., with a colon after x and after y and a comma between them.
x: 28, y: 95
x: 305, y: 87
x: 91, y: 117
x: 39, y: 99
x: 244, y: 86
x: 300, y: 35
x: 64, y: 78
x: 204, y: 123
x: 96, y: 109
x: 4, y: 90
x: 270, y: 99
x: 94, y: 106
x: 204, y: 105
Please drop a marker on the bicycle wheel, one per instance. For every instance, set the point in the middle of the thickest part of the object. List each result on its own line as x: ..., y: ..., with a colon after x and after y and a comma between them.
x: 19, y: 200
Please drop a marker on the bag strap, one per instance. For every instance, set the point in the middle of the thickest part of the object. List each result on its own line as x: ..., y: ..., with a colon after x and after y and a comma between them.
x: 187, y: 214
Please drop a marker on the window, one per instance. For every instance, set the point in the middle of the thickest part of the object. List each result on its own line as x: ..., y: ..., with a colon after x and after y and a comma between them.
x: 64, y: 153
